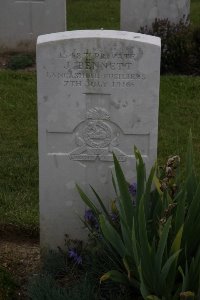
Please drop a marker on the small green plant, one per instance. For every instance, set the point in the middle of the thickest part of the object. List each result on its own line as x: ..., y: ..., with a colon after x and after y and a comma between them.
x: 62, y: 276
x: 54, y: 263
x: 180, y: 46
x: 21, y: 61
x: 155, y: 245
x: 45, y: 287
x: 175, y: 46
x: 195, y: 55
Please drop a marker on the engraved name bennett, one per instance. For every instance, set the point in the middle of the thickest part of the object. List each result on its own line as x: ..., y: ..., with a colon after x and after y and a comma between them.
x: 97, y: 69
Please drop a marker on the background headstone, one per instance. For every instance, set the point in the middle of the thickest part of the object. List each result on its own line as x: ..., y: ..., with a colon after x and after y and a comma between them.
x: 139, y: 13
x: 98, y: 92
x: 21, y: 21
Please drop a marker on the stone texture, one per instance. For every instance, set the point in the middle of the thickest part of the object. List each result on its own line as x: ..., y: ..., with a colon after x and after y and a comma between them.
x: 140, y: 13
x: 21, y: 21
x: 98, y: 92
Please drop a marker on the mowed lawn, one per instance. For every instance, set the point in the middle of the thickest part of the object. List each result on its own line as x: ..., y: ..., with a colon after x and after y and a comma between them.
x: 96, y: 14
x: 93, y: 14
x: 18, y: 150
x: 195, y: 12
x: 179, y: 111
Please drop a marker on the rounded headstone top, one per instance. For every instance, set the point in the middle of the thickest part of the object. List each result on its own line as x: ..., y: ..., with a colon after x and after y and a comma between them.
x: 107, y: 34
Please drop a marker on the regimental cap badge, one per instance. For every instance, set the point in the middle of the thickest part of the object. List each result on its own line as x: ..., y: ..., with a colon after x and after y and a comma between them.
x: 98, y: 113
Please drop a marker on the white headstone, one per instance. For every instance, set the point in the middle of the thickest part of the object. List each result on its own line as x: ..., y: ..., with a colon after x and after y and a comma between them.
x: 140, y: 13
x: 98, y: 92
x: 21, y: 21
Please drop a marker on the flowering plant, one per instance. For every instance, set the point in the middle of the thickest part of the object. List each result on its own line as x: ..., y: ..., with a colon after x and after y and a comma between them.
x: 154, y: 243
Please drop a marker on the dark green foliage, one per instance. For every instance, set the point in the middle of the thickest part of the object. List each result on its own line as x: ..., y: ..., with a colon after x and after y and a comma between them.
x: 85, y: 286
x: 83, y: 290
x: 196, y: 39
x: 180, y: 45
x: 54, y: 263
x: 195, y: 55
x: 174, y: 46
x: 157, y: 239
x: 97, y: 260
x: 7, y: 285
x: 44, y: 287
x: 21, y: 61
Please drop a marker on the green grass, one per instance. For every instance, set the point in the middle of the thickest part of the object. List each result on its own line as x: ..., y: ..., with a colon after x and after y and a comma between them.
x: 93, y: 14
x: 7, y: 285
x: 195, y: 12
x: 18, y: 150
x: 96, y: 14
x: 179, y: 111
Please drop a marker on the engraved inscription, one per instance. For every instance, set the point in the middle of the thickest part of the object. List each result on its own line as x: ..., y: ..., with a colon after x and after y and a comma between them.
x: 99, y: 68
x: 130, y: 52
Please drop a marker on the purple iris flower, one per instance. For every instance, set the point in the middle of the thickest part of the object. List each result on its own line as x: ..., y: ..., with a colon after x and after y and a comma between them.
x: 133, y: 189
x: 74, y: 255
x: 89, y: 216
x: 114, y: 217
x: 91, y: 219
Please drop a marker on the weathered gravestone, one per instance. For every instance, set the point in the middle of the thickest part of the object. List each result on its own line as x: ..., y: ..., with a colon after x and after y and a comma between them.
x: 21, y: 21
x: 98, y: 92
x: 140, y: 13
